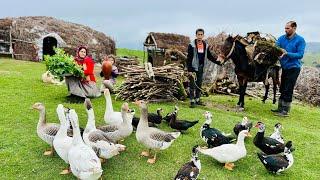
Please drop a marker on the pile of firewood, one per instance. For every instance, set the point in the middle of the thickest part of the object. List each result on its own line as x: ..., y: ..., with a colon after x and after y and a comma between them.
x: 223, y: 86
x: 156, y: 84
x: 123, y: 62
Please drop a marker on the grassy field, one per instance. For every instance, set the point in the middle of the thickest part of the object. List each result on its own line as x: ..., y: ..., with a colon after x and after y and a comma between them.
x: 311, y: 59
x: 21, y: 151
x: 130, y: 52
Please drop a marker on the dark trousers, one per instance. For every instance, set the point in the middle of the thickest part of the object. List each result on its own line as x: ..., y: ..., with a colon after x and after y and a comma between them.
x: 288, y: 81
x: 195, y: 91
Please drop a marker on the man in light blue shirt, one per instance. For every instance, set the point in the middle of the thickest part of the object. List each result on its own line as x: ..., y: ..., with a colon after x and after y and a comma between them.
x: 293, y: 46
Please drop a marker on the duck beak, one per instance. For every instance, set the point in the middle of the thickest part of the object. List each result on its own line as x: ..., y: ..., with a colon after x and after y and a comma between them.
x: 256, y: 126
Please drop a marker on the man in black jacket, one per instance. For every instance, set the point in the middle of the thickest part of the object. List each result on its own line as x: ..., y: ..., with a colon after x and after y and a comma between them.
x: 198, y: 53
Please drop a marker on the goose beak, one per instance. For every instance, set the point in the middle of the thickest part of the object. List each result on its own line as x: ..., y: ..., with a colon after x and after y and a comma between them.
x: 248, y: 134
x: 137, y: 103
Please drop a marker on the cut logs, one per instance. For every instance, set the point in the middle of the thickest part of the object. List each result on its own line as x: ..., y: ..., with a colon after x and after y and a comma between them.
x: 123, y: 62
x: 157, y: 84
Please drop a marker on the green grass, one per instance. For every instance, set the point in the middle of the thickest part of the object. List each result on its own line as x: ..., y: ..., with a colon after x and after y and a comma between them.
x: 311, y: 59
x: 129, y: 52
x: 21, y: 151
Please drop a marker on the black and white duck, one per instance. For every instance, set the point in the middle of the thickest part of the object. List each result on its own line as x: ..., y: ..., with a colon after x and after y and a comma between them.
x: 277, y: 133
x: 280, y: 162
x: 191, y: 169
x: 266, y: 144
x: 212, y: 136
x: 244, y: 125
x: 181, y: 125
x: 167, y: 118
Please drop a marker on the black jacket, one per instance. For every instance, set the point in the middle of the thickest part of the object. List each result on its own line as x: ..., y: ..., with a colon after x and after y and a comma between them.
x: 211, y: 57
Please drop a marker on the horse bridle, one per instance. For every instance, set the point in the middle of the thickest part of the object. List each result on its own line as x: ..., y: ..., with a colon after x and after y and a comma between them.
x: 231, y: 50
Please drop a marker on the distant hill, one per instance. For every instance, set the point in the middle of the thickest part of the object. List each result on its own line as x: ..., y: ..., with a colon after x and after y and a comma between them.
x: 313, y: 47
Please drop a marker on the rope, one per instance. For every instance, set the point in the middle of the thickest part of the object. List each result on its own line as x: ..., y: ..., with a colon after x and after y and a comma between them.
x: 193, y: 77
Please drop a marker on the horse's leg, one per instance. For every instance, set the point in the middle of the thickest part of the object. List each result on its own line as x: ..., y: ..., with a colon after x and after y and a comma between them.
x: 267, y: 86
x: 240, y: 81
x: 243, y: 92
x: 275, y: 86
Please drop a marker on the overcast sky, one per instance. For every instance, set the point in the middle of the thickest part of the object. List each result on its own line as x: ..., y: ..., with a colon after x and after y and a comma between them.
x: 128, y: 22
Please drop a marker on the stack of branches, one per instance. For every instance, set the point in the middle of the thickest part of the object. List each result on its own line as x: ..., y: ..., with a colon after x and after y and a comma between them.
x: 156, y: 84
x: 308, y: 86
x: 123, y: 62
x: 224, y: 86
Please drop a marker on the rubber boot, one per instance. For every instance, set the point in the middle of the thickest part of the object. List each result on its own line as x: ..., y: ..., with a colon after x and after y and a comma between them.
x: 286, y: 106
x: 280, y: 102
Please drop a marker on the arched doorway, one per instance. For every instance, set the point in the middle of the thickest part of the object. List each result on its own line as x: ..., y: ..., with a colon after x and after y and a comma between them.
x: 48, y: 44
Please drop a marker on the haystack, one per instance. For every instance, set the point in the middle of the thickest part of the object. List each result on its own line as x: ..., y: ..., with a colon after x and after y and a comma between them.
x: 34, y: 36
x: 308, y: 86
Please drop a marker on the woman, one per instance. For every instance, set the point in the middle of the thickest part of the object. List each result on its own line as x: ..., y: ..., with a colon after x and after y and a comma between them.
x: 80, y: 88
x: 109, y: 79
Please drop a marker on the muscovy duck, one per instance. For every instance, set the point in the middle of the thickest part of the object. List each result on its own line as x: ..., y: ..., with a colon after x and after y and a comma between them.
x: 267, y: 144
x: 212, y: 136
x: 181, y: 125
x: 279, y: 162
x: 191, y: 169
x: 277, y: 133
x: 244, y: 125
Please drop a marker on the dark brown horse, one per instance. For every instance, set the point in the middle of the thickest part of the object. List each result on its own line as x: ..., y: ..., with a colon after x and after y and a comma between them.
x: 246, y: 72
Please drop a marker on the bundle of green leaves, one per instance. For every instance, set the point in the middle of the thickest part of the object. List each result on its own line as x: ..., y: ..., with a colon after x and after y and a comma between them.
x: 62, y: 64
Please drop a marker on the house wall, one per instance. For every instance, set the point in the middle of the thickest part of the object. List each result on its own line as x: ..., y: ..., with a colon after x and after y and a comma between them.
x: 39, y: 43
x: 25, y: 51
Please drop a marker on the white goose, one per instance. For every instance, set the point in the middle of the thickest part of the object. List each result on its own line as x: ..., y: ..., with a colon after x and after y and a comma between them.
x: 150, y: 137
x: 62, y: 142
x: 110, y: 116
x: 121, y: 130
x: 84, y: 163
x: 46, y: 131
x: 98, y: 140
x: 228, y: 153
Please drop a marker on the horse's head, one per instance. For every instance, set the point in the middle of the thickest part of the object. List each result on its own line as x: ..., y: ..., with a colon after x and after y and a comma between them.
x: 226, y: 49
